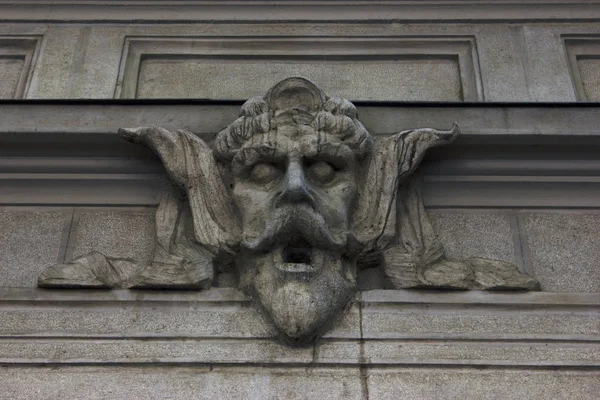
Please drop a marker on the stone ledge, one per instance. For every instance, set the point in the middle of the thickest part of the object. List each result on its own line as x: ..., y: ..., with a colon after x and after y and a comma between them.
x: 164, y: 11
x: 90, y: 351
x: 230, y: 295
x: 534, y: 121
x: 221, y: 327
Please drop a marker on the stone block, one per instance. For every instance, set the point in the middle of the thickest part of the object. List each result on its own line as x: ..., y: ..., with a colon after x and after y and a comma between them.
x: 564, y: 250
x: 506, y: 353
x: 29, y: 242
x: 64, y: 49
x: 250, y: 383
x: 438, y: 383
x: 491, y: 322
x: 138, y: 319
x: 450, y: 352
x: 167, y: 351
x: 474, y: 234
x: 546, y: 67
x: 122, y: 233
x: 501, y: 59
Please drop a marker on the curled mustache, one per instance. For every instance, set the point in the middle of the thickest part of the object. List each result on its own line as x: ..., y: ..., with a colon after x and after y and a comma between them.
x: 298, y: 221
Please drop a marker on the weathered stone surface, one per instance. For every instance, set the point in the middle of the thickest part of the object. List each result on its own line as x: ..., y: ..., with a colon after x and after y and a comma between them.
x: 122, y: 233
x: 398, y: 80
x: 589, y: 70
x: 169, y: 350
x: 564, y: 250
x: 29, y: 241
x: 10, y: 70
x: 490, y: 322
x: 137, y: 320
x: 474, y: 234
x: 430, y: 383
x: 181, y: 383
x: 56, y: 68
x: 449, y: 352
x: 547, y: 70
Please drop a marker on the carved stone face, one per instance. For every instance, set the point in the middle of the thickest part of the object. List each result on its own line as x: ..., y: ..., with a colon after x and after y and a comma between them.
x: 295, y: 189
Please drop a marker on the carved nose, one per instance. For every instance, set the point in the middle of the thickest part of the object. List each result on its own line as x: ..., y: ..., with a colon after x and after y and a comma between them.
x: 296, y: 189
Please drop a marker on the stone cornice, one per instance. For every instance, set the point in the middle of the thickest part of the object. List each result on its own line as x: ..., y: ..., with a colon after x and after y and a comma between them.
x: 508, y: 155
x: 252, y: 11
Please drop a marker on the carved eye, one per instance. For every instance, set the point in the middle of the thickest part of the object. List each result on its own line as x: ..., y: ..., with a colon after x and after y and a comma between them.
x: 321, y: 172
x: 265, y: 173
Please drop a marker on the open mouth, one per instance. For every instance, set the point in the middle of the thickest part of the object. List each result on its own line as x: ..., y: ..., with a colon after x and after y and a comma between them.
x: 297, y: 258
x: 297, y: 251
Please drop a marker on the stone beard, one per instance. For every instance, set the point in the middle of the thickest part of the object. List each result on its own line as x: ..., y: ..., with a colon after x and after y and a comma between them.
x: 296, y: 193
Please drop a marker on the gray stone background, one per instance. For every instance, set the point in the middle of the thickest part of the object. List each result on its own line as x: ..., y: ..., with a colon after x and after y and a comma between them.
x: 213, y: 345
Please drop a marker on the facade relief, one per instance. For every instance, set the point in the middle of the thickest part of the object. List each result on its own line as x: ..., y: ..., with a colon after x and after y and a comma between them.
x: 297, y: 196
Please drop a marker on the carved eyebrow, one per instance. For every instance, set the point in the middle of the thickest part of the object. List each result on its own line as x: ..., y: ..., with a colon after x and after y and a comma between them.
x: 333, y: 150
x: 250, y: 155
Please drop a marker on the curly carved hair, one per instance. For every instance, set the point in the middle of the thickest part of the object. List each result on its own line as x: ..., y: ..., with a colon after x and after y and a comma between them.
x: 329, y: 115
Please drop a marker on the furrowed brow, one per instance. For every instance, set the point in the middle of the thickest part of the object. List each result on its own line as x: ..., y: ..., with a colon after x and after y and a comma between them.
x: 252, y: 154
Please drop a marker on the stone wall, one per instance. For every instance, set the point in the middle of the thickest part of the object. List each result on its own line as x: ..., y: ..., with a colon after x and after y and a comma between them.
x: 383, y: 61
x: 522, y: 185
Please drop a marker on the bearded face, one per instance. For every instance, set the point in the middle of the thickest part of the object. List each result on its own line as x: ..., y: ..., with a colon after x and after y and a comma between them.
x: 295, y: 191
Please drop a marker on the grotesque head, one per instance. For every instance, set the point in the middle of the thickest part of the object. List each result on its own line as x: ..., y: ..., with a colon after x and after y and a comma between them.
x: 293, y: 158
x: 296, y: 191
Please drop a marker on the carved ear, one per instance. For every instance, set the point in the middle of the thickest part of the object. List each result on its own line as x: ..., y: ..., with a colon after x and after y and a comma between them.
x: 192, y: 167
x: 392, y: 161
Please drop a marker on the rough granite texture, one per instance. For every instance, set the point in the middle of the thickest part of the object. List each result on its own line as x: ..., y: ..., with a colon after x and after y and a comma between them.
x: 565, y: 250
x: 474, y: 234
x: 457, y: 353
x: 589, y: 69
x: 144, y: 320
x: 29, y: 242
x: 200, y: 382
x: 116, y: 233
x: 489, y: 322
x: 430, y: 383
x: 356, y: 80
x: 546, y: 68
x: 294, y: 383
x: 10, y: 70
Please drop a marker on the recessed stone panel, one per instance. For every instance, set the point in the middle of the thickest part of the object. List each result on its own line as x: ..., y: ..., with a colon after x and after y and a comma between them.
x: 583, y: 53
x: 589, y: 68
x: 17, y: 57
x: 361, y: 68
x: 10, y: 70
x: 565, y: 250
x: 408, y: 79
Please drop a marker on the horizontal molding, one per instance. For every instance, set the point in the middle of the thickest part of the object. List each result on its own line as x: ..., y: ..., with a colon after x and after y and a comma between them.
x: 221, y: 326
x: 509, y: 155
x: 34, y: 296
x: 336, y: 353
x: 165, y: 11
x: 522, y: 123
